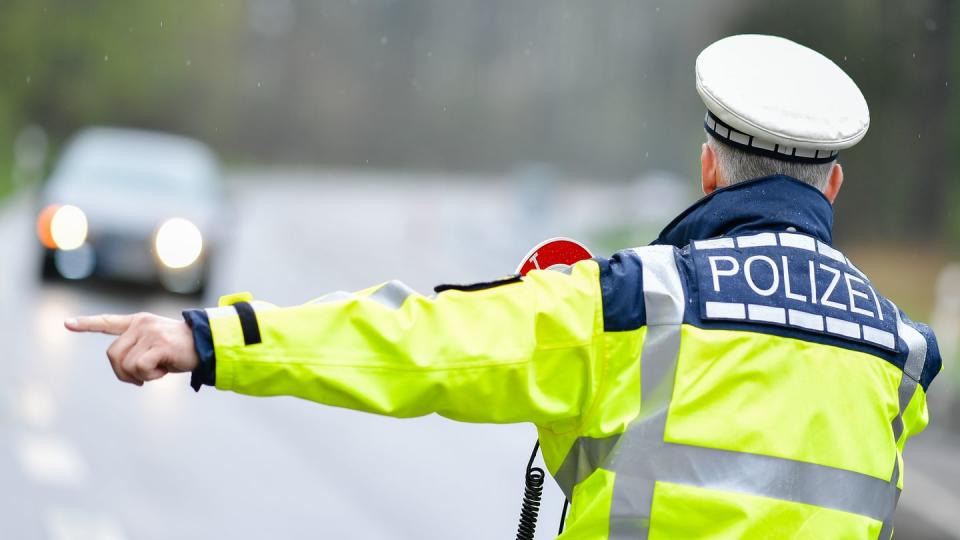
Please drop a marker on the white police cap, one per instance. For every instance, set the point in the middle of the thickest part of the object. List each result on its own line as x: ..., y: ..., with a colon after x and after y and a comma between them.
x: 768, y: 95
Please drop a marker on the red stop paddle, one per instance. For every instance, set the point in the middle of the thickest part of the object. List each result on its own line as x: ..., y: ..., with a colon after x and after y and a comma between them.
x: 553, y: 253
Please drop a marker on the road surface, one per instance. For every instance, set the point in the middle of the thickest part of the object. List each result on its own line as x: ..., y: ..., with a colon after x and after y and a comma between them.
x: 83, y: 457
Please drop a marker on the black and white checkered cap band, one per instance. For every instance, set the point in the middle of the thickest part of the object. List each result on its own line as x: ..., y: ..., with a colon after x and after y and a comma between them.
x: 754, y: 145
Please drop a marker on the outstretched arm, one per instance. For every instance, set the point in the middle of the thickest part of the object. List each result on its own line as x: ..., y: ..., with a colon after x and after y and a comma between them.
x: 522, y: 351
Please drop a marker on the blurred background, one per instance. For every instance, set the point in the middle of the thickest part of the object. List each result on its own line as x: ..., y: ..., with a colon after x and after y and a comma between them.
x: 154, y: 155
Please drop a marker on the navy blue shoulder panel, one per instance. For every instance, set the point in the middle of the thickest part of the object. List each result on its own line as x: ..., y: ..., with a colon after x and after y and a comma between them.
x: 621, y: 283
x: 794, y: 286
x: 782, y: 285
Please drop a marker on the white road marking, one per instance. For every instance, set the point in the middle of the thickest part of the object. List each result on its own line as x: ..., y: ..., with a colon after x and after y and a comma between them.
x: 63, y: 524
x: 51, y: 460
x: 50, y: 312
x: 35, y: 406
x: 162, y: 401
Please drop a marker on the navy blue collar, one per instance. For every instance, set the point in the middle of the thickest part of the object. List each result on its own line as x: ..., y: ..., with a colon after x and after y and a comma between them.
x: 772, y: 203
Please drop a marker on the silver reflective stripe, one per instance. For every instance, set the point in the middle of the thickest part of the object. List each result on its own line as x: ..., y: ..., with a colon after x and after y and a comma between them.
x: 664, y: 302
x: 220, y: 311
x: 886, y: 532
x: 335, y: 296
x: 230, y: 311
x: 585, y: 456
x: 754, y: 474
x: 663, y: 298
x: 392, y: 294
x: 912, y: 370
x: 916, y: 348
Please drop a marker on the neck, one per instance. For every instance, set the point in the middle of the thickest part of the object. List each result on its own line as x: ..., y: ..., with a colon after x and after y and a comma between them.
x: 772, y: 203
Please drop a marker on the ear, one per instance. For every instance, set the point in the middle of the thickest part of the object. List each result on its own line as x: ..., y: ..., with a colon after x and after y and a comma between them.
x: 708, y: 169
x: 834, y: 183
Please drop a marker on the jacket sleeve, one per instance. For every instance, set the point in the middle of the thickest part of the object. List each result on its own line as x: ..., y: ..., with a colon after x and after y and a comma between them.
x: 522, y: 351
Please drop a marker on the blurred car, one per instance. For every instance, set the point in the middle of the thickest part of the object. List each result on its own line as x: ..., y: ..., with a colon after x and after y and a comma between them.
x: 132, y: 206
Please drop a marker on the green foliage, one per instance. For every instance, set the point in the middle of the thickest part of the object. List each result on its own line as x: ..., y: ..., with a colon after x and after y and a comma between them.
x: 153, y: 64
x: 598, y: 89
x: 901, y: 179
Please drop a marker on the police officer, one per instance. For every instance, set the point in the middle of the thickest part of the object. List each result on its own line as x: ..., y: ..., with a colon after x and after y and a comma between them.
x: 738, y: 378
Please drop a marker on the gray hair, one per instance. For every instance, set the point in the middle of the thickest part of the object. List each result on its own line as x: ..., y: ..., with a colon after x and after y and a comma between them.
x: 737, y: 166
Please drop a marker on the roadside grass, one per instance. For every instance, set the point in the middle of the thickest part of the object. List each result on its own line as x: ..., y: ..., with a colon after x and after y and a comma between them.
x: 905, y: 272
x: 6, y: 179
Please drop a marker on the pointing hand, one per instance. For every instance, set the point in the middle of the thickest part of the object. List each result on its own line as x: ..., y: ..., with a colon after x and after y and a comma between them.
x: 148, y: 346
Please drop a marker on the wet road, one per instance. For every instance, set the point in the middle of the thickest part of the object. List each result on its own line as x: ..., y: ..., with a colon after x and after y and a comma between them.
x: 85, y: 457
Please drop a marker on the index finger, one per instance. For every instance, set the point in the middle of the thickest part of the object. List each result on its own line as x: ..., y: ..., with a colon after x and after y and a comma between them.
x: 106, y: 324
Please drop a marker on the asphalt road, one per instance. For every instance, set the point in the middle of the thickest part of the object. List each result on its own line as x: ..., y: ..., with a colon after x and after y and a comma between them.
x: 83, y: 457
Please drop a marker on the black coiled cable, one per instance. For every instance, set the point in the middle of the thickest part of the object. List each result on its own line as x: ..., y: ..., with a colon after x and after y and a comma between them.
x: 532, y: 493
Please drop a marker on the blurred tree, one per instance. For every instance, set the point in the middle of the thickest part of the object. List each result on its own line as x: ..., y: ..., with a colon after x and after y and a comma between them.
x: 599, y: 89
x: 150, y: 64
x: 901, y: 180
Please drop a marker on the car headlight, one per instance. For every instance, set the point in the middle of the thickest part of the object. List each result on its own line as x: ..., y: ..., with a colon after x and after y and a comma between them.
x: 178, y: 243
x: 63, y: 227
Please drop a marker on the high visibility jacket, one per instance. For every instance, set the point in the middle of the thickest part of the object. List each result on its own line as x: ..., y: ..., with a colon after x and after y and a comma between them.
x: 740, y: 378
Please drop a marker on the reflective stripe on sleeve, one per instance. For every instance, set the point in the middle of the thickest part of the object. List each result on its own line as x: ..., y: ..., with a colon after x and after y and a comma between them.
x: 392, y: 294
x: 912, y: 369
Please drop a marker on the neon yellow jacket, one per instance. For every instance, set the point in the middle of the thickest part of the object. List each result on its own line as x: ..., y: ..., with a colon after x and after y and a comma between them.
x: 736, y: 381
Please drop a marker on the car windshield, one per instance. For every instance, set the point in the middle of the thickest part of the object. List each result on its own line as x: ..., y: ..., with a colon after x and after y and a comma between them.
x: 175, y: 169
